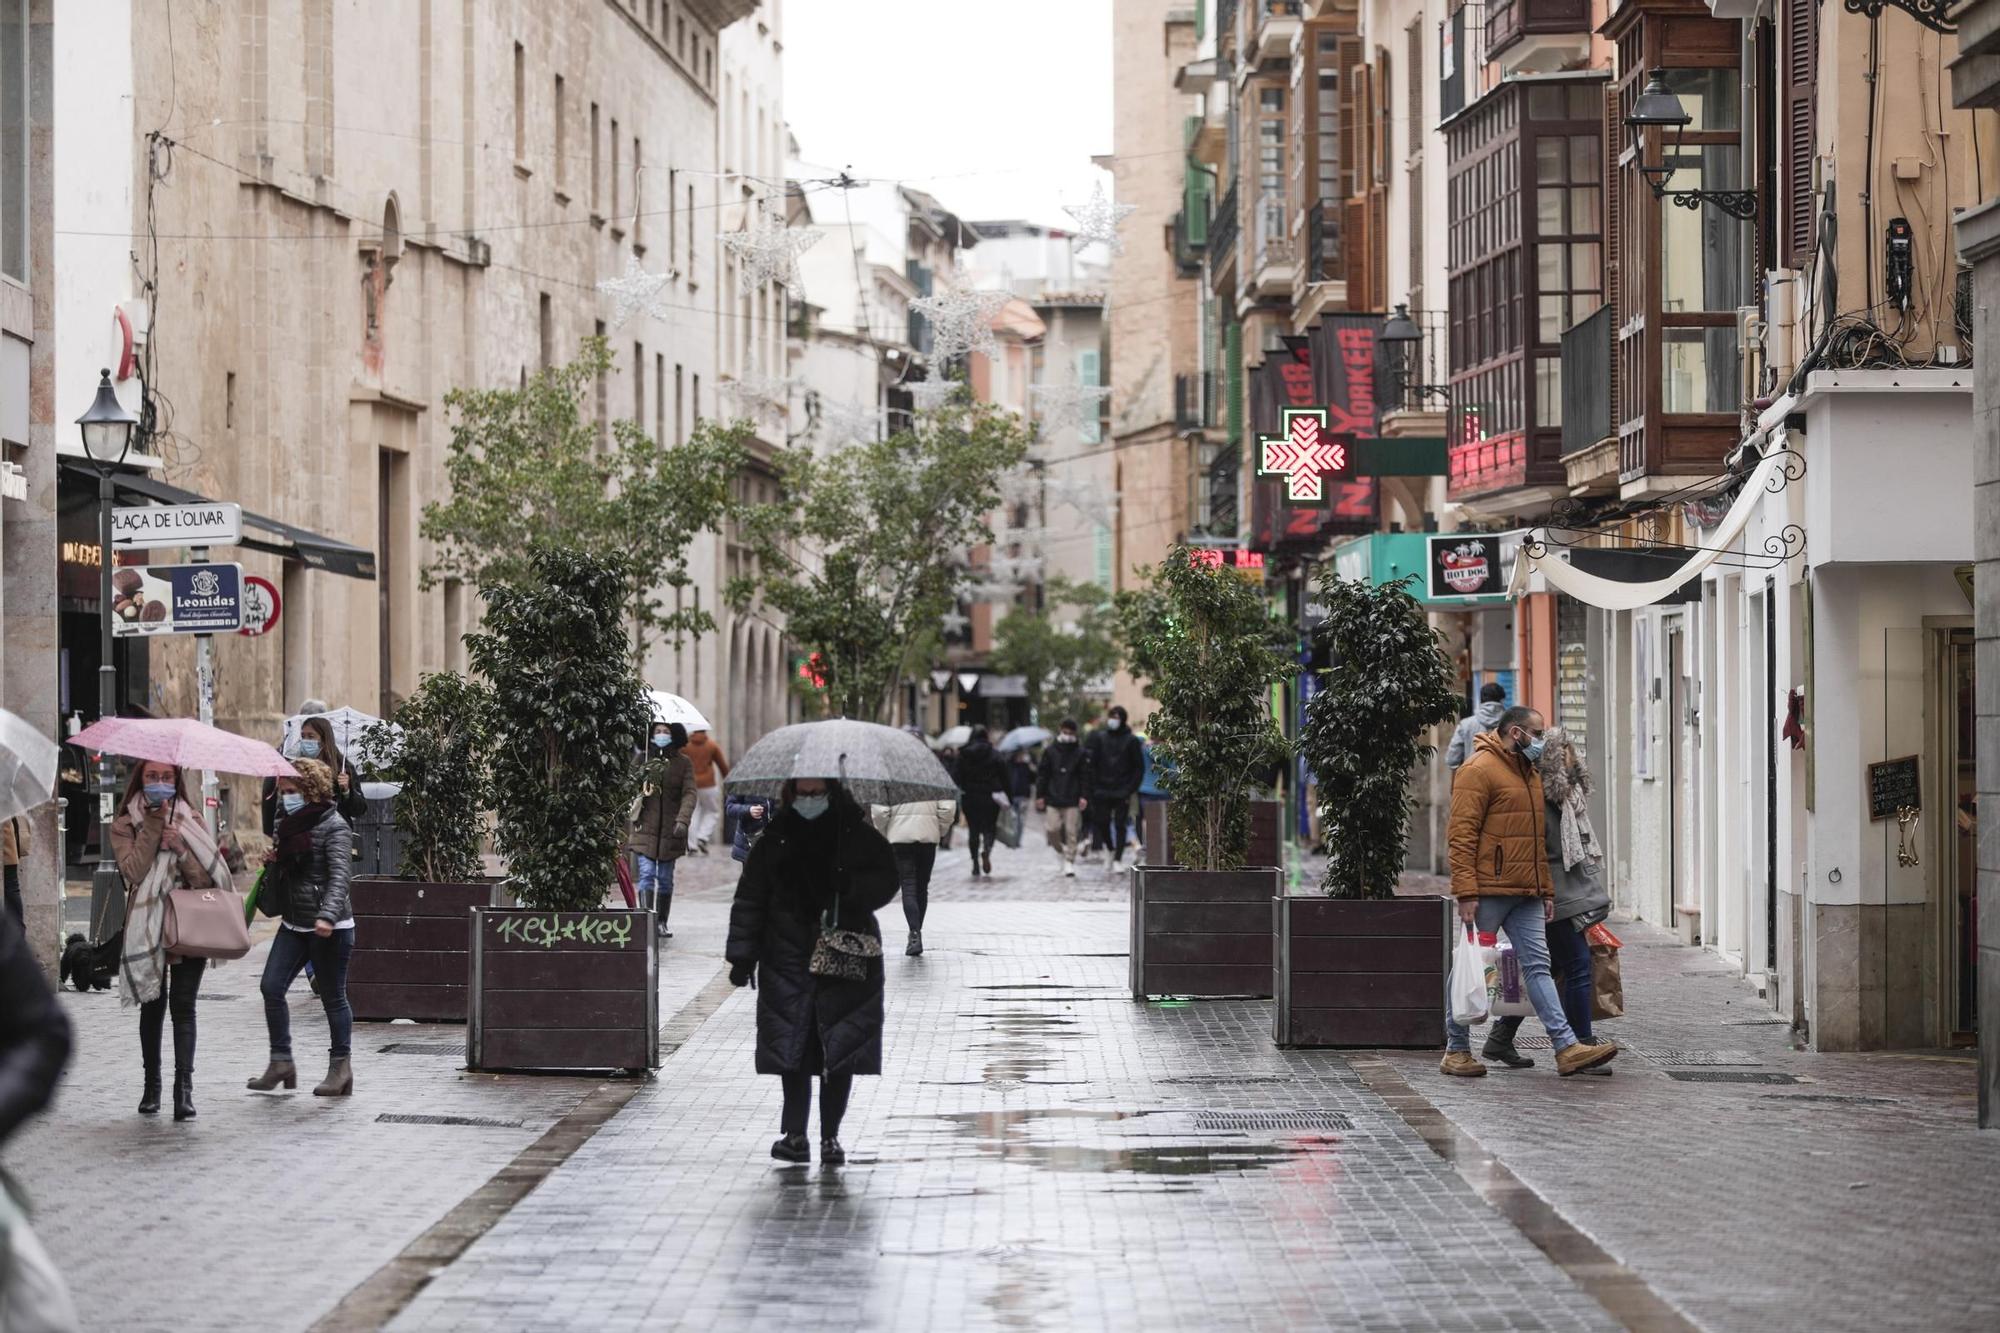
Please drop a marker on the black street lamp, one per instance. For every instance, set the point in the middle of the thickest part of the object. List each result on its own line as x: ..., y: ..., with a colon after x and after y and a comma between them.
x: 107, y: 437
x: 1403, y: 338
x: 1658, y: 107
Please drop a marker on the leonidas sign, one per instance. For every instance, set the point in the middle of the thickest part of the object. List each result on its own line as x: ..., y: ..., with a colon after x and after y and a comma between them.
x: 176, y: 599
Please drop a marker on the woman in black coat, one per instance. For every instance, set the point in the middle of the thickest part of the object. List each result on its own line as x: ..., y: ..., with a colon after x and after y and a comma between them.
x: 820, y: 860
x: 982, y: 777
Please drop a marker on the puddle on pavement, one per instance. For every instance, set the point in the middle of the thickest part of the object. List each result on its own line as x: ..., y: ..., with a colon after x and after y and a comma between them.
x: 1020, y: 1046
x: 1033, y: 1138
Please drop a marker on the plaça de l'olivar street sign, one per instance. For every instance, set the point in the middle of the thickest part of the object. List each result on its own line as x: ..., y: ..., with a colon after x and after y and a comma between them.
x: 176, y: 599
x: 150, y: 527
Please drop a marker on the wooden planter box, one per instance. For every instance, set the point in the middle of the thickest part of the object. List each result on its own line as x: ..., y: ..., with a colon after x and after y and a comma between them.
x: 563, y: 990
x: 1361, y: 973
x: 1266, y: 834
x: 412, y: 941
x: 1203, y: 933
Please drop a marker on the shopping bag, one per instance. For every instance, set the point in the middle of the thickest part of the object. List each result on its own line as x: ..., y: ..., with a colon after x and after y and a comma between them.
x: 1607, y: 988
x: 33, y: 1296
x: 1468, y: 982
x: 250, y: 898
x: 1601, y: 934
x: 1507, y: 995
x: 1007, y: 826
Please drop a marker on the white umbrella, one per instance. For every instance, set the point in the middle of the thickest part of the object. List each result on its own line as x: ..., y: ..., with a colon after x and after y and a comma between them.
x: 349, y: 726
x: 1020, y: 738
x: 878, y: 765
x: 952, y: 739
x: 28, y: 762
x: 673, y: 708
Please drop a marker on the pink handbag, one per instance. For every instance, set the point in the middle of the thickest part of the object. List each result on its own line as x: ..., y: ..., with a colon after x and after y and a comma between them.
x: 206, y: 923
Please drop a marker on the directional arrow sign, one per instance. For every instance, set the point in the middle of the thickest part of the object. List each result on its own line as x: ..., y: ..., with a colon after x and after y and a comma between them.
x: 209, y: 523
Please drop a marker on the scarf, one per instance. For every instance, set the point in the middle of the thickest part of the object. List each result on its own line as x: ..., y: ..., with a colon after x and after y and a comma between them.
x: 1568, y: 788
x: 142, y: 978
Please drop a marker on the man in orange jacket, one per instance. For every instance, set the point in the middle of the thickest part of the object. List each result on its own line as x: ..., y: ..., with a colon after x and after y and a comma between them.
x: 1500, y: 877
x: 710, y: 767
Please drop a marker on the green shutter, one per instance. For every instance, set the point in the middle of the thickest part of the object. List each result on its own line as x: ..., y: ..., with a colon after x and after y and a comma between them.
x: 1103, y: 556
x: 1232, y: 352
x: 1200, y: 19
x: 1086, y: 374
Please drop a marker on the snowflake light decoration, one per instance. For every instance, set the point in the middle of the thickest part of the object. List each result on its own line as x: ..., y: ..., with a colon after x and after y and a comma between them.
x: 1098, y: 220
x: 847, y: 423
x: 955, y: 622
x: 635, y: 290
x: 762, y: 395
x: 769, y: 251
x: 1091, y: 500
x: 1070, y: 406
x: 994, y: 590
x: 1016, y: 569
x: 961, y: 321
x: 930, y: 395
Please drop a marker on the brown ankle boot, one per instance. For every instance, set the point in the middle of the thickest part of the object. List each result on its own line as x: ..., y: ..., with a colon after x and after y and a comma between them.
x: 339, y: 1081
x: 278, y: 1071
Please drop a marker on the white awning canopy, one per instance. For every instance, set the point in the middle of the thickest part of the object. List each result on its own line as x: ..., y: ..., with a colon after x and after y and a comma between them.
x: 1616, y: 595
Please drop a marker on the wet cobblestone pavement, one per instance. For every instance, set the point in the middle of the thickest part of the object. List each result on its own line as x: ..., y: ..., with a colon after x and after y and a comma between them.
x: 1040, y: 1154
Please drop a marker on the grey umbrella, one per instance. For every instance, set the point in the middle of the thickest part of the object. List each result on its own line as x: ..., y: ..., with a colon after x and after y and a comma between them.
x: 878, y: 765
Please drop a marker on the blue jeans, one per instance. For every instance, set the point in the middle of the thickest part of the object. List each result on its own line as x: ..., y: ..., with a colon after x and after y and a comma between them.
x: 1569, y: 956
x: 656, y: 885
x: 1525, y: 924
x: 290, y: 951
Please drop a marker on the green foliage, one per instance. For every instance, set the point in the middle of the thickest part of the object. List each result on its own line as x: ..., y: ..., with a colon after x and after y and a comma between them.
x: 568, y: 717
x: 441, y: 762
x: 1203, y: 638
x: 1364, y: 730
x: 1059, y: 661
x: 528, y: 465
x: 855, y: 553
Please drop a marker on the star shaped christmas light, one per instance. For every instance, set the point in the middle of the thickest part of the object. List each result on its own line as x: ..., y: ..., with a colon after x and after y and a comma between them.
x: 961, y: 321
x: 1098, y: 220
x: 762, y: 395
x: 769, y: 252
x: 635, y: 290
x: 1091, y: 500
x: 1070, y: 406
x: 1304, y: 454
x: 955, y: 622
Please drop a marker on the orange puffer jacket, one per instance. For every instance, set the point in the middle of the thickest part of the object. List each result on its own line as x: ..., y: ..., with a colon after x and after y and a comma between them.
x: 1498, y: 825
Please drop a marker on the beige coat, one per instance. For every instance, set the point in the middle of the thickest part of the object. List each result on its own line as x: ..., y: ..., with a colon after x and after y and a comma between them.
x: 916, y: 821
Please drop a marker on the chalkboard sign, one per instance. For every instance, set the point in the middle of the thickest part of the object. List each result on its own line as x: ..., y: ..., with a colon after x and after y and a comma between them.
x: 1893, y: 784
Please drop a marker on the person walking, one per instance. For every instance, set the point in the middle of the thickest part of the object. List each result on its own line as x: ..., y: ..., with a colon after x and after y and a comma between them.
x: 316, y: 742
x: 1152, y: 796
x: 820, y: 869
x: 914, y: 830
x: 1117, y: 766
x: 34, y: 1047
x: 1020, y: 783
x: 948, y: 757
x: 1500, y: 877
x: 15, y: 834
x: 1492, y: 703
x: 982, y: 782
x: 307, y: 870
x: 160, y: 844
x: 710, y: 767
x: 1059, y: 794
x: 1581, y: 900
x: 751, y: 815
x: 661, y: 820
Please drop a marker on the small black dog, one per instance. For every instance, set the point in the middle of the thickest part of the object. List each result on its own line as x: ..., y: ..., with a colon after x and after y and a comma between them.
x: 90, y: 966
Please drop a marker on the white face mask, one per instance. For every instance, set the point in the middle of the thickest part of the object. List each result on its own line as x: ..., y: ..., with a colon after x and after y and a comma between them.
x: 1112, y: 724
x: 811, y: 807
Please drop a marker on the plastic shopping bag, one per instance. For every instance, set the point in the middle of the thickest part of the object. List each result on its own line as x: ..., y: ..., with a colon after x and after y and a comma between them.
x: 1468, y: 982
x: 1507, y: 994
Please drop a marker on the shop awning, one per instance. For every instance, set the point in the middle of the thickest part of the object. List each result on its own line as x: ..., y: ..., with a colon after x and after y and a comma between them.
x: 1003, y: 687
x: 280, y: 539
x: 1613, y: 594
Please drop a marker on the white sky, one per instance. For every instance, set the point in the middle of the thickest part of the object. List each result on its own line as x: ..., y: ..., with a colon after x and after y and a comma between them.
x: 995, y: 108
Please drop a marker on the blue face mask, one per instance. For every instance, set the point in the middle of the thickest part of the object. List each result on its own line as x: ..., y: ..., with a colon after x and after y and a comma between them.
x: 293, y: 802
x: 308, y: 749
x: 1532, y: 751
x: 662, y: 742
x: 158, y: 793
x: 811, y: 807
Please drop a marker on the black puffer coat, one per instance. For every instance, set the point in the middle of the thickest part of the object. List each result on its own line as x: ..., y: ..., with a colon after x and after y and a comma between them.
x: 794, y: 872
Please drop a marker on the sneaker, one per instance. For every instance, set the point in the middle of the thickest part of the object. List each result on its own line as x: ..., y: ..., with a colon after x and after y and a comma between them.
x: 1576, y: 1058
x: 1503, y: 1053
x: 792, y: 1148
x: 1460, y: 1064
x: 660, y: 929
x: 1069, y: 870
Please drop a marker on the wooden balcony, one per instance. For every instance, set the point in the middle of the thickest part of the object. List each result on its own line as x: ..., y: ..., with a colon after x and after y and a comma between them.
x: 1510, y: 22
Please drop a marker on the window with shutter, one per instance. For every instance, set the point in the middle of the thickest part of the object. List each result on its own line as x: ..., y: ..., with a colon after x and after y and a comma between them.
x: 1798, y: 129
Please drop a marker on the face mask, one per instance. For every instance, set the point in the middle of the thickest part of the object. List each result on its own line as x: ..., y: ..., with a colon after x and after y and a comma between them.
x: 662, y: 742
x: 1112, y: 724
x: 1067, y: 739
x: 1533, y: 749
x: 811, y: 807
x: 308, y: 749
x: 158, y: 793
x: 293, y: 802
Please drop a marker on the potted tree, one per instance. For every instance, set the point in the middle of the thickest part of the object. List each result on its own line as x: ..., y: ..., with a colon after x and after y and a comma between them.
x: 1201, y: 636
x: 413, y: 935
x: 561, y: 982
x: 1360, y: 966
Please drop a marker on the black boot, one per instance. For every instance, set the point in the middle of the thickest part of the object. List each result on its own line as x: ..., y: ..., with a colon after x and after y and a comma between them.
x: 184, y: 1067
x: 183, y: 1094
x: 792, y: 1148
x: 1499, y: 1048
x: 149, y: 1099
x: 831, y: 1153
